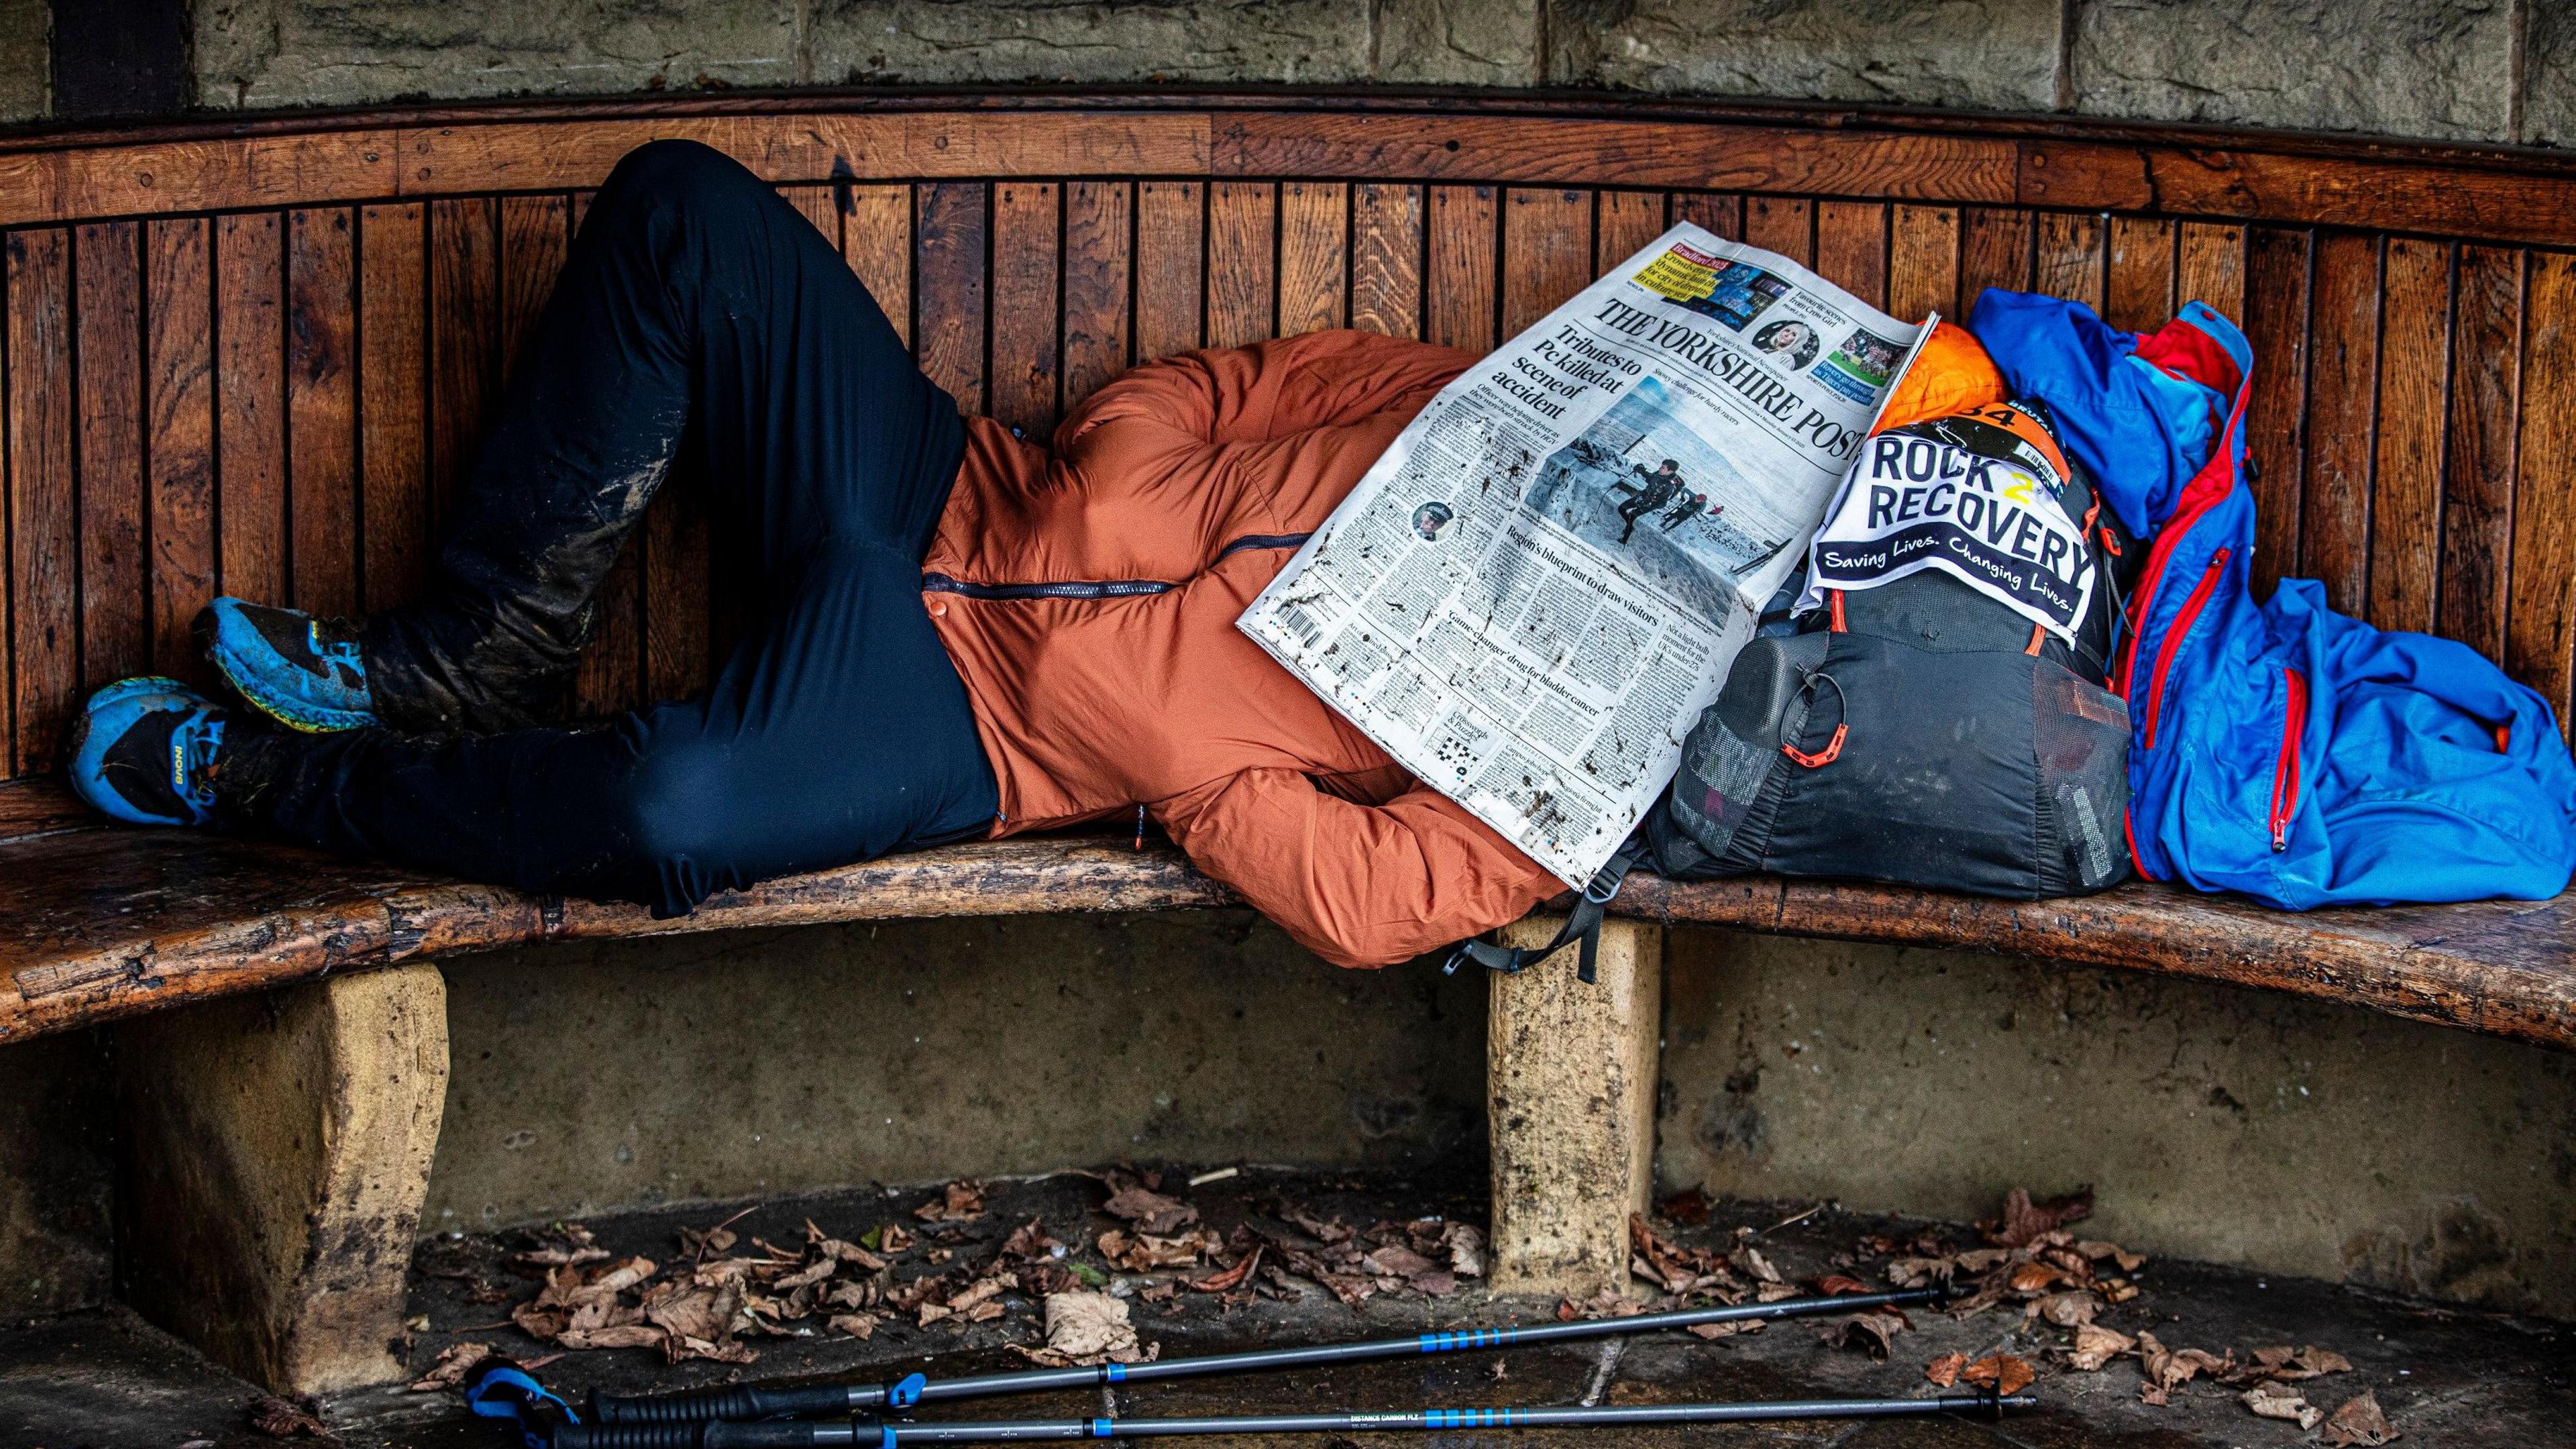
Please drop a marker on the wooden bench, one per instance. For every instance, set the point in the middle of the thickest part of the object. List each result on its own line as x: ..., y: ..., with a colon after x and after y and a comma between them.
x: 229, y: 348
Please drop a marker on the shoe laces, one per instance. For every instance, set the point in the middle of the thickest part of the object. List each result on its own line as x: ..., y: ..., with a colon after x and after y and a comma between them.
x: 338, y: 651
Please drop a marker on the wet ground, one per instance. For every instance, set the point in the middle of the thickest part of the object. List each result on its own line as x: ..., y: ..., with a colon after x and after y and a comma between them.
x: 2443, y: 1376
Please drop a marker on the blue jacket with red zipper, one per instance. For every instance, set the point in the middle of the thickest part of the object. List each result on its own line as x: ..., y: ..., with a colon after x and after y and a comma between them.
x: 2278, y: 748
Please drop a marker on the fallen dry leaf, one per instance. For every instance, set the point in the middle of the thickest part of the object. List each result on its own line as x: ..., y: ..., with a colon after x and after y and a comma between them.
x: 2024, y: 1221
x: 623, y: 1335
x: 1834, y: 1285
x: 1748, y: 1260
x: 1466, y: 1250
x: 957, y: 1202
x: 2270, y: 1403
x: 1726, y: 1330
x: 1090, y: 1328
x: 2001, y: 1372
x: 2321, y: 1360
x: 1228, y: 1279
x: 1873, y: 1332
x: 2095, y: 1250
x: 894, y: 1238
x: 2359, y: 1421
x: 454, y: 1363
x: 289, y: 1418
x: 1942, y: 1372
x: 856, y: 1325
x: 1151, y: 1212
x: 1688, y: 1207
x: 2096, y: 1346
x: 2167, y: 1369
x: 2066, y: 1310
x: 2032, y: 1278
x: 695, y: 1312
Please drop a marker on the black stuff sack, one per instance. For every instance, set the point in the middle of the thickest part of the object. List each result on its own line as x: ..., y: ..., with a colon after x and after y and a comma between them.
x: 1938, y: 718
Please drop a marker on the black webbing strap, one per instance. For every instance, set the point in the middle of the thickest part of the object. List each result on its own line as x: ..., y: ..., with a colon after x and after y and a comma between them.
x: 1582, y: 924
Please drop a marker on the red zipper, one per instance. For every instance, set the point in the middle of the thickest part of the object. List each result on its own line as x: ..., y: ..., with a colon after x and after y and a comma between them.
x: 2183, y: 620
x: 2285, y: 773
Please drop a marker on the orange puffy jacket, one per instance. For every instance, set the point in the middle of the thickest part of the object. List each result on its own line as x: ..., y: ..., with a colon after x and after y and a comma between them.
x: 1088, y: 595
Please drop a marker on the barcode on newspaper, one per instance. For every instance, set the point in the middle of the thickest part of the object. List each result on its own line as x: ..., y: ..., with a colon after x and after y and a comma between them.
x: 1305, y: 626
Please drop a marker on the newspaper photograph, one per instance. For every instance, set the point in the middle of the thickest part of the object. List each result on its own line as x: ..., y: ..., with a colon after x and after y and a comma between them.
x: 1532, y: 595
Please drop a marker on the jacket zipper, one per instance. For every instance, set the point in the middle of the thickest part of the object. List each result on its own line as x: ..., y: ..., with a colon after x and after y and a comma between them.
x: 2285, y: 772
x: 2181, y: 626
x: 1102, y: 589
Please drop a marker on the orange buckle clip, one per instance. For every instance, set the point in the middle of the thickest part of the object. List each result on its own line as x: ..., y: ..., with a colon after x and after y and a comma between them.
x: 1823, y: 757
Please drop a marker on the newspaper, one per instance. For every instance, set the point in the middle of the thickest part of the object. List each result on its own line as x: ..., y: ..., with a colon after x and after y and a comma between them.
x: 1532, y: 596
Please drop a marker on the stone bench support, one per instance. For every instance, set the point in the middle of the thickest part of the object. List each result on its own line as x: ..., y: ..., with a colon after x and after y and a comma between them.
x: 273, y: 1154
x: 1570, y: 1081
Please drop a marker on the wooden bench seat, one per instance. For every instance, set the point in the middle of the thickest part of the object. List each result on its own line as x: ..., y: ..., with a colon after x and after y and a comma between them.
x: 255, y: 357
x: 99, y: 923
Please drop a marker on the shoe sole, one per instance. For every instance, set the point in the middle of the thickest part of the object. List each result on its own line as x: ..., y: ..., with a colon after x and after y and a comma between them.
x: 318, y: 721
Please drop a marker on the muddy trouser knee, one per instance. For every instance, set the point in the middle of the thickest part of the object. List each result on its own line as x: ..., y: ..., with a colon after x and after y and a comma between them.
x: 703, y: 322
x: 700, y: 323
x: 838, y: 732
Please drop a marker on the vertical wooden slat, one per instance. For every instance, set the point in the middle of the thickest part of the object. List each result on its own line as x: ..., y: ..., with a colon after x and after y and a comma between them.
x: 1547, y: 252
x: 43, y: 503
x: 393, y: 437
x: 2138, y: 291
x: 2477, y: 483
x: 1242, y: 249
x: 2210, y: 267
x: 2276, y: 322
x: 1718, y: 212
x: 179, y: 384
x: 1097, y: 218
x: 1923, y: 263
x: 1997, y: 248
x: 2540, y: 629
x: 1783, y: 224
x: 1025, y: 360
x: 322, y: 408
x: 535, y: 230
x: 1386, y: 259
x: 2414, y: 389
x: 1625, y: 222
x: 115, y: 633
x: 2069, y: 258
x: 1851, y: 248
x: 948, y: 271
x: 464, y: 308
x: 1461, y: 266
x: 675, y: 574
x: 818, y: 205
x: 1314, y: 256
x: 876, y: 240
x: 2343, y: 386
x: 250, y: 403
x: 1171, y: 252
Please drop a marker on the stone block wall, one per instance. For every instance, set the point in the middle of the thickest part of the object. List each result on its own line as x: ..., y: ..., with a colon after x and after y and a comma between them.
x: 2452, y: 70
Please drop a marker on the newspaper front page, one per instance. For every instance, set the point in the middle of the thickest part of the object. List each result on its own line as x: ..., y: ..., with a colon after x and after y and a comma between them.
x: 1530, y: 598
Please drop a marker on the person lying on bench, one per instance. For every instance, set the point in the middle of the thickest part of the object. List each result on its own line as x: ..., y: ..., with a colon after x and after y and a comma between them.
x: 958, y: 634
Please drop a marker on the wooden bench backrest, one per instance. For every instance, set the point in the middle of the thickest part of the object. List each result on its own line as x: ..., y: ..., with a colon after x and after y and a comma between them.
x: 228, y: 354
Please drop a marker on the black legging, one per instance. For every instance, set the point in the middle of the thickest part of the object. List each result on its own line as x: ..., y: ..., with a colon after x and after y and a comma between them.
x: 701, y: 321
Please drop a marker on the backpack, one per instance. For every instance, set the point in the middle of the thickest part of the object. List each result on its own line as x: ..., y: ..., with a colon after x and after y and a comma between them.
x: 1917, y: 728
x: 2279, y: 749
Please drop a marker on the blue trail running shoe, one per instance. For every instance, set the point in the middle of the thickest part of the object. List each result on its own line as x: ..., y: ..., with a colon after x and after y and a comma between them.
x: 144, y: 751
x: 303, y: 672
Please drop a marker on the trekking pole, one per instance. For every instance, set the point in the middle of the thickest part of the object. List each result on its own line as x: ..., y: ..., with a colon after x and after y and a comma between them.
x: 869, y: 1431
x: 816, y: 1400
